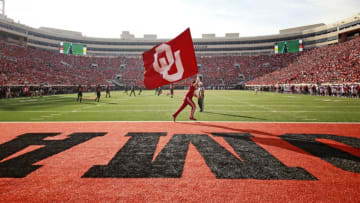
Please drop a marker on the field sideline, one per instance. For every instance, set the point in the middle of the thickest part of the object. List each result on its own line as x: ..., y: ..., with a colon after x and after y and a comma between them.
x: 245, y: 148
x: 220, y: 105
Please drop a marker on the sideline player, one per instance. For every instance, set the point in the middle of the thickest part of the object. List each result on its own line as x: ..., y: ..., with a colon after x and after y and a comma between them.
x: 159, y: 91
x: 140, y: 90
x: 156, y: 90
x: 172, y: 90
x: 126, y: 90
x: 80, y: 94
x: 188, y: 100
x: 201, y: 96
x: 107, y: 91
x: 26, y: 90
x: 132, y: 91
x: 98, y: 93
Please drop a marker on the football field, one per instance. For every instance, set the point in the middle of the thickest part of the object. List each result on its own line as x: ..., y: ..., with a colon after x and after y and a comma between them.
x: 220, y: 105
x: 244, y: 148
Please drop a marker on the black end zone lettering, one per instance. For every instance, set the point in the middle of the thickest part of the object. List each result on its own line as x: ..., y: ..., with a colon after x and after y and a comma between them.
x: 257, y: 163
x: 22, y: 166
x: 336, y: 157
x: 134, y: 160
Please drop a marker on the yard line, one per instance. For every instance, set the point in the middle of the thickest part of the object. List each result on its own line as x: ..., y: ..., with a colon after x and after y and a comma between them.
x: 295, y: 122
x: 35, y: 119
x: 29, y: 100
x: 171, y: 110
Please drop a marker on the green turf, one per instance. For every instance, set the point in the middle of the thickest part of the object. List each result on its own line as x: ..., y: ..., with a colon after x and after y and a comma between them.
x: 219, y: 106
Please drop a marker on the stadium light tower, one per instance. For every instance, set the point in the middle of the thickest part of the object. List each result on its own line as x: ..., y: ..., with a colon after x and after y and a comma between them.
x: 2, y: 8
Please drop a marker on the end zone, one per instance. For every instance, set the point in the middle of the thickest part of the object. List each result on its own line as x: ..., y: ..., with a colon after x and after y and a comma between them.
x: 182, y: 161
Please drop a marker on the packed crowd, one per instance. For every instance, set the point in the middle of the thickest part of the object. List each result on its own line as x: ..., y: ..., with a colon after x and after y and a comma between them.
x: 338, y: 63
x: 21, y: 65
x: 338, y: 90
x: 230, y: 70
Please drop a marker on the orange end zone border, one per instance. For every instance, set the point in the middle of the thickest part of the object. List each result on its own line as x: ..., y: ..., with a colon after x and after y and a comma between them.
x: 68, y: 176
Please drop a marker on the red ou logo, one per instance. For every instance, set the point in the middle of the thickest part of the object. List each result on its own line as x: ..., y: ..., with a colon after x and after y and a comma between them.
x: 162, y: 65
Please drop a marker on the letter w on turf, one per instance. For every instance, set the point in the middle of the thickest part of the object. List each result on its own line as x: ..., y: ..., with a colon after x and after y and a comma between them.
x: 135, y: 159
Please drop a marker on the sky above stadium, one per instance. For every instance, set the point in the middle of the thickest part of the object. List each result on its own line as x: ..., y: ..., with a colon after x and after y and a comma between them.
x: 167, y: 18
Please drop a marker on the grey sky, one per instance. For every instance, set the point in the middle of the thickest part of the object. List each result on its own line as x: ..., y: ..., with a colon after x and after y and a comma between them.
x: 167, y: 18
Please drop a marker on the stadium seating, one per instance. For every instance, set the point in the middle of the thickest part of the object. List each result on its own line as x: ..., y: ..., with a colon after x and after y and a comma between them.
x: 226, y: 70
x: 338, y: 63
x: 23, y: 65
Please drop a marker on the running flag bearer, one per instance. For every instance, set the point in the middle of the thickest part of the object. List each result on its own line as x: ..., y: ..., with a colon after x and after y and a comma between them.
x: 188, y: 100
x: 170, y: 62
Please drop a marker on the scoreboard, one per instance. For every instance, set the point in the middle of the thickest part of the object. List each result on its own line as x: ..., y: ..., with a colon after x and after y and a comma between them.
x: 72, y: 48
x: 288, y: 46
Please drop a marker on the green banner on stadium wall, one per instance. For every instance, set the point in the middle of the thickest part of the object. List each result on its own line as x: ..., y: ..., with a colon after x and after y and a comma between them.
x: 288, y: 46
x: 72, y: 48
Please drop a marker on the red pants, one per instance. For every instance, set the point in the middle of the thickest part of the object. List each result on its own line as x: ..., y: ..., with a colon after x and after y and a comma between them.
x: 187, y: 101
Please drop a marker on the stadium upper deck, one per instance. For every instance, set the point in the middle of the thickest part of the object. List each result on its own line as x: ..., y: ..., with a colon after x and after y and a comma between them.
x: 316, y: 35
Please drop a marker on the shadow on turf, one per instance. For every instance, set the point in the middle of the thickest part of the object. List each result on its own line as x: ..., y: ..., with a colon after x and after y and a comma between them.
x: 284, y: 144
x: 233, y: 115
x: 228, y: 128
x: 264, y: 141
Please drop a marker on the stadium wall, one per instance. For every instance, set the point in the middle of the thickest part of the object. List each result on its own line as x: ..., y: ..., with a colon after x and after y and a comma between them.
x: 313, y: 36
